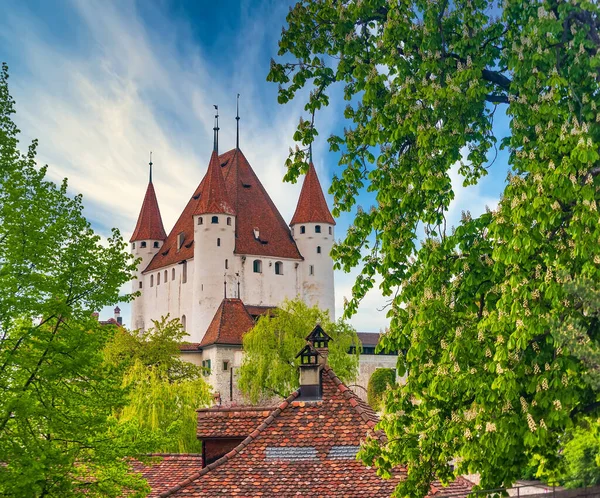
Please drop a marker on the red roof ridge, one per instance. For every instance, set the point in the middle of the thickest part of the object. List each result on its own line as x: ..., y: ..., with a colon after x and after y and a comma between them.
x: 149, y: 225
x: 253, y: 435
x: 312, y: 206
x: 213, y: 194
x: 230, y: 322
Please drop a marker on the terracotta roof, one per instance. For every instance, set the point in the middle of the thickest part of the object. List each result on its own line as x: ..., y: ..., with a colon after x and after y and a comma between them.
x: 302, y: 448
x: 149, y: 224
x: 312, y: 206
x: 254, y: 209
x: 230, y: 323
x: 256, y: 311
x: 186, y: 347
x: 231, y: 421
x: 165, y: 470
x: 213, y: 195
x: 368, y: 338
x: 460, y: 488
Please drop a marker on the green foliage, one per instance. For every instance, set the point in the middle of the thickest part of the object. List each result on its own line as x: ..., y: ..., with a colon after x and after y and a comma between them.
x: 270, y: 365
x: 476, y: 309
x: 164, y: 391
x: 582, y: 456
x: 379, y: 382
x: 57, y: 396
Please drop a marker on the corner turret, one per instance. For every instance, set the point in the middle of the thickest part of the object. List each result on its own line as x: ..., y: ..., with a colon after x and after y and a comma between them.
x: 313, y: 230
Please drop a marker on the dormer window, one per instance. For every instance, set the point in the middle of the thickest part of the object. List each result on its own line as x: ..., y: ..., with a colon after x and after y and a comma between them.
x: 180, y: 239
x: 214, y: 220
x: 156, y: 244
x: 143, y: 244
x: 278, y: 268
x: 257, y: 266
x: 317, y: 228
x: 302, y: 229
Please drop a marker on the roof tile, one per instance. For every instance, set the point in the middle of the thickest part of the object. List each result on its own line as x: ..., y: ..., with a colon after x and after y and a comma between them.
x: 230, y: 323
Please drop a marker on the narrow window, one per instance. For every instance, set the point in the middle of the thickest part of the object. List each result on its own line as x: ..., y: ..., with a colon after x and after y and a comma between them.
x: 173, y: 274
x: 184, y: 272
x: 279, y: 268
x: 156, y: 244
x: 183, y: 322
x: 140, y: 284
x: 218, y: 242
x: 180, y: 239
x: 257, y: 266
x: 302, y: 229
x: 142, y: 245
x: 200, y: 220
x: 158, y: 278
x: 311, y: 270
x: 133, y: 245
x: 229, y: 220
x: 214, y: 220
x: 225, y: 366
x: 317, y: 228
x: 330, y: 230
x: 166, y: 276
x: 151, y: 280
x: 318, y: 249
x: 226, y: 264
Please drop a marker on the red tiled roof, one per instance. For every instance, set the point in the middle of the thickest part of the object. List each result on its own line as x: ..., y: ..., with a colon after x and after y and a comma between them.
x: 254, y: 209
x: 312, y: 206
x: 186, y: 347
x: 368, y: 338
x: 149, y: 224
x: 230, y: 323
x: 256, y: 311
x: 165, y: 470
x: 213, y: 195
x: 231, y: 421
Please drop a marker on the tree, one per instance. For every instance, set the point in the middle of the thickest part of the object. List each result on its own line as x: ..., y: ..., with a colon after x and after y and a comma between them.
x: 57, y: 396
x: 582, y: 456
x: 474, y: 309
x: 379, y: 382
x: 270, y: 366
x: 164, y: 391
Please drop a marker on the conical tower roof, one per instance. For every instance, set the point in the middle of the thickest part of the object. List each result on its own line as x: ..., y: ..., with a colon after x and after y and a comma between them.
x: 312, y: 206
x: 214, y: 198
x: 149, y: 224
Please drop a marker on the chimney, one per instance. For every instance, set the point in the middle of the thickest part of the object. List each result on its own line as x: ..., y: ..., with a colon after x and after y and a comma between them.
x: 118, y: 316
x: 313, y: 358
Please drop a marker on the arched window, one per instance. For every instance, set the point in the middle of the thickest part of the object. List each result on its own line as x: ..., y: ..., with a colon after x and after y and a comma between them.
x: 214, y: 220
x: 156, y: 244
x: 166, y: 276
x: 158, y: 278
x: 257, y: 266
x: 142, y: 245
x: 218, y: 242
x: 173, y: 274
x: 151, y: 280
x: 330, y: 230
x: 226, y: 264
x: 184, y: 272
x: 317, y: 228
x: 183, y: 320
x: 318, y: 249
x: 200, y: 220
x: 229, y: 220
x: 278, y: 268
x: 302, y: 229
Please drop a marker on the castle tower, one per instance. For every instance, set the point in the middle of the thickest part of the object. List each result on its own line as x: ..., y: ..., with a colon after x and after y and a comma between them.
x: 214, y: 245
x: 146, y: 241
x: 313, y: 230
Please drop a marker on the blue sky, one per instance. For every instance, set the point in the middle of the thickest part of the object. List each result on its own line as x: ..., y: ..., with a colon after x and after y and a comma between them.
x: 100, y: 84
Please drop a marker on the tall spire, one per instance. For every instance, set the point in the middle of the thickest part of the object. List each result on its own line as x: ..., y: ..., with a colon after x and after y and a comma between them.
x: 237, y: 122
x: 149, y: 225
x: 216, y: 131
x: 312, y: 206
x: 214, y: 198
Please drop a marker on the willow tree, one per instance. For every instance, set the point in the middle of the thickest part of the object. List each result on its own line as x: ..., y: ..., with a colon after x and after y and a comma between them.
x: 57, y: 396
x: 474, y: 309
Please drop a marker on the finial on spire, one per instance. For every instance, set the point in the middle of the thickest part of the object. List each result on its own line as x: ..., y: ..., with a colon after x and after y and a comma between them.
x: 150, y: 166
x: 216, y: 130
x: 310, y: 153
x: 237, y: 120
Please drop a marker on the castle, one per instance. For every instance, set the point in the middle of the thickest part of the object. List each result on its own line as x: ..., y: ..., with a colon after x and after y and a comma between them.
x: 229, y: 258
